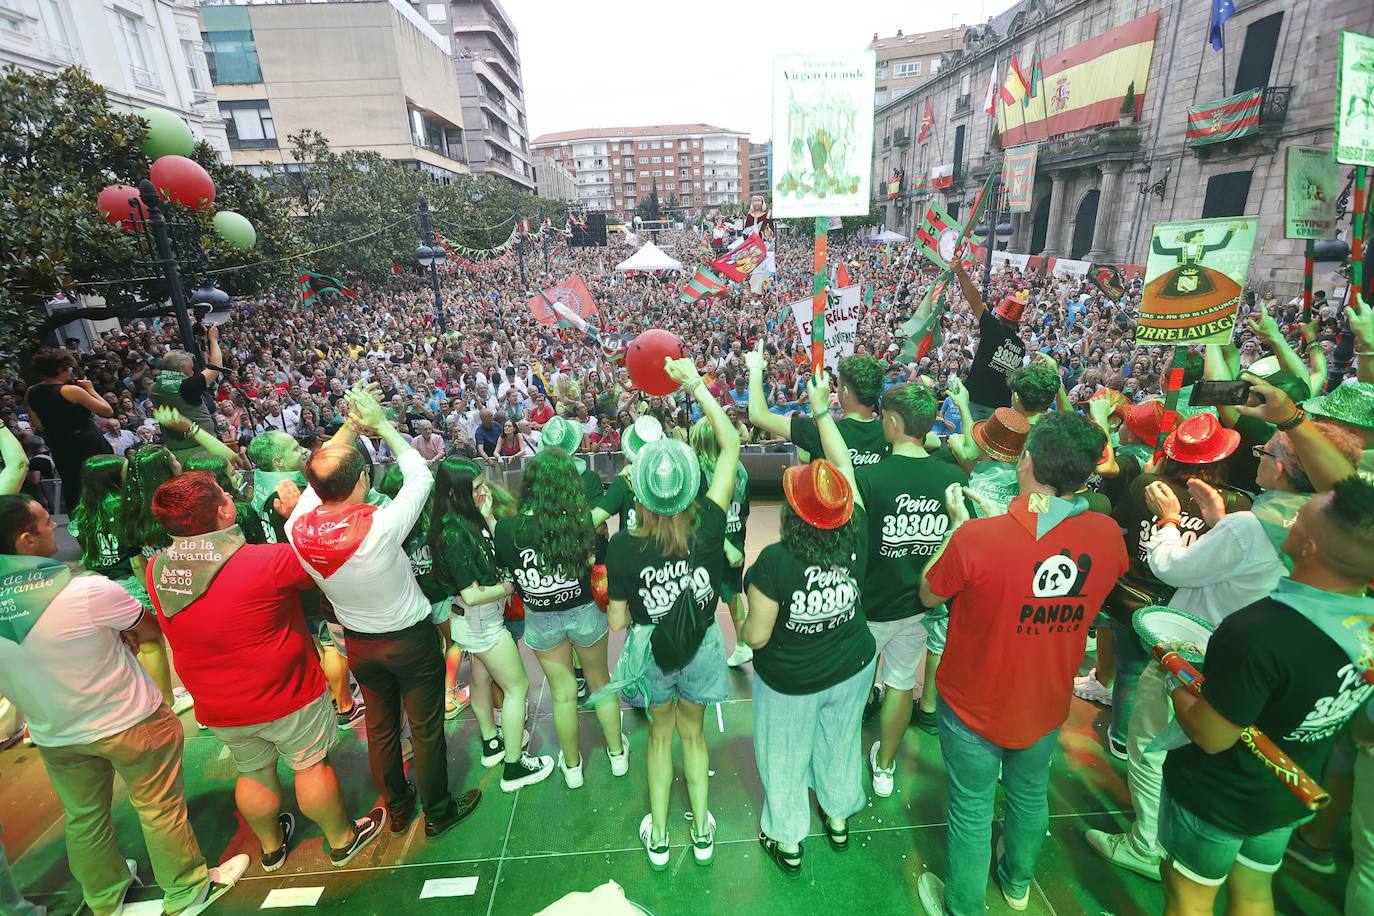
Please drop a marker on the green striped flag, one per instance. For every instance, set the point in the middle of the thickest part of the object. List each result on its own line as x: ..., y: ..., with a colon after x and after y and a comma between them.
x: 1225, y: 119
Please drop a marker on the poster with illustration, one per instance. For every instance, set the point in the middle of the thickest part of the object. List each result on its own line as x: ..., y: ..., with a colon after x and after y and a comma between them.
x: 822, y: 134
x: 1193, y: 281
x: 1355, y: 99
x: 1309, y: 193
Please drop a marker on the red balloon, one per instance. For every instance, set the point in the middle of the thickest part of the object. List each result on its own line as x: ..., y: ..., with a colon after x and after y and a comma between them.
x: 114, y: 203
x: 184, y: 181
x: 644, y: 361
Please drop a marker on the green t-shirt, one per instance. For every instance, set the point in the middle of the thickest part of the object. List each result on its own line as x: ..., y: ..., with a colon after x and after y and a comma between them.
x: 994, y: 481
x: 101, y: 550
x: 460, y: 563
x: 618, y: 500
x: 904, y: 498
x: 820, y: 637
x: 591, y: 484
x: 541, y: 589
x: 638, y: 573
x: 867, y: 444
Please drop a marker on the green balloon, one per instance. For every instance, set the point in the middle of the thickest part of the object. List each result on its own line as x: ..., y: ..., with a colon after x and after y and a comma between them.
x: 168, y: 135
x: 235, y: 229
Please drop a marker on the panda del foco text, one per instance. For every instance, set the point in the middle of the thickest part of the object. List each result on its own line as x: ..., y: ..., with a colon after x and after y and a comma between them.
x: 1056, y: 577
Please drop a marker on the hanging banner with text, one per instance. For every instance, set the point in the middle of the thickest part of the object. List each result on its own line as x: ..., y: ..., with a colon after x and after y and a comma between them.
x: 842, y: 310
x: 1309, y: 193
x: 1193, y: 281
x: 1355, y: 99
x: 1018, y: 176
x: 822, y: 134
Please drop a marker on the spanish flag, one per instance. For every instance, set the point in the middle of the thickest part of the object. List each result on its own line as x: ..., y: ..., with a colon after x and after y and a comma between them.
x: 1082, y: 86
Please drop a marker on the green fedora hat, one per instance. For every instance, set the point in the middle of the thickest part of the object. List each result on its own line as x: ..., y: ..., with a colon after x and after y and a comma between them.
x: 1351, y: 403
x: 665, y: 476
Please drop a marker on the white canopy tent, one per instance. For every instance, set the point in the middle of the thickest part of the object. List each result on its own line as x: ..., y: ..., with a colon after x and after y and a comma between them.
x: 649, y: 257
x: 887, y: 235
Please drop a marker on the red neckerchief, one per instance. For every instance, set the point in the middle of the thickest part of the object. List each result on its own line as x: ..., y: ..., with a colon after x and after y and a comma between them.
x: 327, y: 537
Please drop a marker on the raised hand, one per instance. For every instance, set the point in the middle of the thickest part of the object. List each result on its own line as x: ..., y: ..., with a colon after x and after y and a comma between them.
x: 1209, y: 501
x: 1264, y: 325
x: 683, y: 371
x: 1161, y: 500
x: 955, y: 505
x: 754, y: 359
x: 818, y: 394
x: 1275, y: 405
x: 171, y: 418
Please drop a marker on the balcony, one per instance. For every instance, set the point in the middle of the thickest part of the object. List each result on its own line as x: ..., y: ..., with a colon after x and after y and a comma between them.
x: 145, y: 79
x: 1274, y: 108
x: 887, y: 142
x: 57, y: 51
x: 901, y: 137
x: 963, y: 103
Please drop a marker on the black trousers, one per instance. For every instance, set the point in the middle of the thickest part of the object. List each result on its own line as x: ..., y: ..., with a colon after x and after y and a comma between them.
x: 404, y: 668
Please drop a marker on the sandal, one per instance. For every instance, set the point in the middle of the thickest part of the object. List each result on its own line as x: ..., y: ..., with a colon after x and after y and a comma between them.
x: 839, y: 839
x: 790, y: 864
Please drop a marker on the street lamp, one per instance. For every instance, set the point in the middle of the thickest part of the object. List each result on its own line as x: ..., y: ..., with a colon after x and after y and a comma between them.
x: 520, y: 247
x: 431, y: 255
x: 211, y: 304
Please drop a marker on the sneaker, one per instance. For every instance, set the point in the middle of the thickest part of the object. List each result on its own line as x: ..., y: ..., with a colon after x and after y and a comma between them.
x: 271, y: 861
x: 581, y: 685
x: 365, y: 830
x: 1016, y: 903
x: 741, y: 656
x: 132, y: 866
x: 1118, y: 849
x: 925, y: 721
x: 455, y: 701
x: 571, y: 775
x: 1117, y: 746
x: 874, y: 704
x: 1089, y: 688
x: 1304, y: 853
x: 222, y: 877
x: 658, y: 855
x: 620, y: 763
x: 930, y: 890
x: 704, y: 847
x: 181, y: 700
x: 353, y: 716
x: 882, y: 779
x: 494, y: 751
x: 526, y: 771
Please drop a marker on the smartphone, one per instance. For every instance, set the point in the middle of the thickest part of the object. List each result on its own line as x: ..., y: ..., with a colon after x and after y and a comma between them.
x: 1220, y: 393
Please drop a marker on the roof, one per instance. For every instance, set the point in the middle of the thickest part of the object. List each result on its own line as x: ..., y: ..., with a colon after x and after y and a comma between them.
x: 652, y: 130
x: 943, y: 36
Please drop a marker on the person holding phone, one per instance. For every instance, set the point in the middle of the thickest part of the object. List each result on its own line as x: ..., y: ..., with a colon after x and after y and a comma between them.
x: 61, y: 408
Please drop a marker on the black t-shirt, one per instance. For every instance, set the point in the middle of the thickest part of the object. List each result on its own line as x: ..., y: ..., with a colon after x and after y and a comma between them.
x: 618, y: 500
x: 192, y: 389
x: 1000, y: 352
x: 637, y: 571
x: 820, y: 637
x: 540, y: 588
x: 867, y: 444
x: 1243, y: 464
x: 1269, y: 666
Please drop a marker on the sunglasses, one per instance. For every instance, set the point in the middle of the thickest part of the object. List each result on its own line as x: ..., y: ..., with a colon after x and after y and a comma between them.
x: 1260, y: 451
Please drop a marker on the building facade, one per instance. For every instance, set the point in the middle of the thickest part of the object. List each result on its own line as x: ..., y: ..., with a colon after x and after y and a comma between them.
x: 486, y: 57
x: 760, y: 167
x: 144, y: 52
x: 367, y: 75
x: 906, y: 61
x: 1099, y: 187
x: 616, y: 168
x: 553, y: 180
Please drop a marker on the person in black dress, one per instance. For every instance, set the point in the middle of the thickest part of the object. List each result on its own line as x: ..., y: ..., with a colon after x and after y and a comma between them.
x: 61, y: 409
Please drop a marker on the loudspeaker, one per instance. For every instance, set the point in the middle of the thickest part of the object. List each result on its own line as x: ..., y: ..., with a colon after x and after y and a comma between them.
x: 596, y: 229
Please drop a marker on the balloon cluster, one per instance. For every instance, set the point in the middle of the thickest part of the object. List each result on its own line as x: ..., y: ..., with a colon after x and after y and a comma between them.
x: 177, y: 177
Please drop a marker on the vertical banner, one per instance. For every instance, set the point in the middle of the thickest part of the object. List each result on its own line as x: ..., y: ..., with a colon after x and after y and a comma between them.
x: 818, y: 290
x: 1193, y: 281
x: 840, y: 317
x: 1309, y: 193
x: 822, y: 134
x: 1018, y: 176
x: 1354, y: 99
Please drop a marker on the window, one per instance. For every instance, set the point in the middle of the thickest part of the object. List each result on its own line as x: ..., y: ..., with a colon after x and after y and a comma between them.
x: 131, y: 30
x: 1072, y: 31
x: 643, y: 146
x: 656, y: 159
x: 188, y: 50
x: 643, y: 173
x: 880, y: 97
x: 655, y: 145
x: 434, y: 12
x: 906, y: 69
x: 696, y: 171
x: 1257, y: 56
x: 658, y: 173
x: 964, y: 84
x: 958, y: 153
x: 669, y: 186
x: 249, y: 125
x: 880, y: 72
x: 54, y: 24
x: 615, y: 163
x: 696, y: 158
x: 1226, y: 194
x: 625, y: 148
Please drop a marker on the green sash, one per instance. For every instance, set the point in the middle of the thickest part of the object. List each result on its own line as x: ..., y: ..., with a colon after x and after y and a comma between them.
x: 1346, y: 619
x: 184, y: 571
x: 265, y: 485
x: 1039, y: 513
x: 28, y: 587
x: 1276, y: 510
x: 995, y: 482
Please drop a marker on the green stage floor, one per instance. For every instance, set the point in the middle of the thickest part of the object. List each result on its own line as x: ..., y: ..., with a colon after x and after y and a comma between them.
x: 527, y: 849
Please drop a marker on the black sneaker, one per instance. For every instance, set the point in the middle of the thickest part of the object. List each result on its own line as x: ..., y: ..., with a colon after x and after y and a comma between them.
x: 493, y: 751
x: 1318, y: 860
x: 463, y: 805
x: 925, y: 721
x: 525, y: 772
x: 874, y: 704
x: 353, y: 716
x: 1115, y: 745
x: 581, y: 684
x: 271, y: 861
x: 365, y: 830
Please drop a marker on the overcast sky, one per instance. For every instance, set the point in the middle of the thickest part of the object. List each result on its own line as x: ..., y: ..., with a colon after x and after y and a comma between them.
x: 609, y: 63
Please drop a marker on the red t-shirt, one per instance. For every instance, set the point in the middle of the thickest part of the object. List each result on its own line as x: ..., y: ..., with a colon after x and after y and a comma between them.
x: 541, y: 415
x: 1018, y: 618
x: 242, y: 648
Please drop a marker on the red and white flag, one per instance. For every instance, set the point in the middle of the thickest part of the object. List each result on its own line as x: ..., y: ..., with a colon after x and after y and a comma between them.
x: 927, y: 122
x: 990, y: 100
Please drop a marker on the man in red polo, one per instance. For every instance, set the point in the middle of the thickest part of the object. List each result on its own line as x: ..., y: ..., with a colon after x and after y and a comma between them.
x: 232, y: 614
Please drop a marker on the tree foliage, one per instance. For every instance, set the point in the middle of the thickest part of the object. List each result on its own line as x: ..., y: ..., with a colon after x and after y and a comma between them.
x: 650, y: 208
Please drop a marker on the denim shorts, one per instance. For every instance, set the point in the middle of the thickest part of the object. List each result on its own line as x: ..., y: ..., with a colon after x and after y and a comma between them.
x: 1204, y: 852
x: 329, y: 635
x: 480, y: 628
x: 702, y: 682
x: 582, y: 626
x: 516, y: 628
x: 936, y: 623
x: 302, y: 738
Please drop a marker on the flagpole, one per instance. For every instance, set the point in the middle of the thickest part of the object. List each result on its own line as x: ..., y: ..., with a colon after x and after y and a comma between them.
x: 1307, y: 282
x: 818, y: 295
x: 991, y: 241
x: 1171, y: 390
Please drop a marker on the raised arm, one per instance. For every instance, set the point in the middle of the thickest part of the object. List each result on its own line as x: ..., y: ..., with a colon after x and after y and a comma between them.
x: 1323, y: 462
x: 1361, y: 318
x: 684, y: 372
x: 171, y: 418
x: 16, y: 462
x: 1217, y: 367
x: 965, y: 449
x: 832, y: 443
x: 1268, y: 329
x: 213, y: 357
x: 966, y: 284
x: 759, y: 414
x: 83, y: 392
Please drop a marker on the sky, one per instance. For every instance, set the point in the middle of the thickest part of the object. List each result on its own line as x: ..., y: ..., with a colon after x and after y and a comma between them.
x: 632, y: 62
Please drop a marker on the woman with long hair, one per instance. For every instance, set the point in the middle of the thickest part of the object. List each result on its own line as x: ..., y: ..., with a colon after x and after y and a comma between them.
x: 512, y: 444
x: 61, y: 408
x: 703, y: 442
x: 463, y: 520
x: 150, y: 466
x: 549, y: 548
x: 664, y: 579
x: 814, y: 654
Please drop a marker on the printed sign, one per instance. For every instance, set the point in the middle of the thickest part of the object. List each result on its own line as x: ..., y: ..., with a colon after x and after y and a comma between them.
x: 842, y: 310
x: 1193, y: 281
x: 1355, y: 99
x: 822, y: 134
x: 1309, y: 193
x: 1018, y: 176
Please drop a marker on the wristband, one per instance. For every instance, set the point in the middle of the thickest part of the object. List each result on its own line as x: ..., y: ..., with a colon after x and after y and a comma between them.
x: 193, y: 431
x: 1166, y: 521
x: 1299, y: 417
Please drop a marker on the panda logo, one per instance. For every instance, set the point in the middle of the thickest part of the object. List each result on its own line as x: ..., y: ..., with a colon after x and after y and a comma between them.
x: 1059, y: 575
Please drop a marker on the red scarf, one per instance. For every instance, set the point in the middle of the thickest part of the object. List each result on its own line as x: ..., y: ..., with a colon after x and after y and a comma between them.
x: 328, y: 536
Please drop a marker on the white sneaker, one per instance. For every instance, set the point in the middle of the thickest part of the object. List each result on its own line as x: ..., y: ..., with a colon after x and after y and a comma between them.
x: 1089, y: 688
x: 930, y: 890
x: 620, y: 763
x: 1118, y: 849
x: 571, y: 775
x: 1016, y: 903
x: 181, y: 700
x: 704, y: 847
x: 532, y: 770
x: 741, y: 656
x: 658, y: 855
x: 882, y: 779
x: 222, y: 878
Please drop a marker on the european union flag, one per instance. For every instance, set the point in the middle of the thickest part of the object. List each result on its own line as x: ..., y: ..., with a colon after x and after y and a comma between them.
x: 1221, y: 11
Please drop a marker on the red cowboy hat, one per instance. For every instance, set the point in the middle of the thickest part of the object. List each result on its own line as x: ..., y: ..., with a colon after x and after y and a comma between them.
x: 1003, y: 435
x: 1201, y: 439
x: 819, y: 494
x: 1143, y: 420
x: 1011, y: 307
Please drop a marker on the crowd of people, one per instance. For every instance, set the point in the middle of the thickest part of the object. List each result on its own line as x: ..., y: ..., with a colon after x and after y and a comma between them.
x: 307, y: 526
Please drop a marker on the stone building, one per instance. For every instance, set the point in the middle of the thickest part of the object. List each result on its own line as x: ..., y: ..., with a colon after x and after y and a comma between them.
x: 1104, y: 176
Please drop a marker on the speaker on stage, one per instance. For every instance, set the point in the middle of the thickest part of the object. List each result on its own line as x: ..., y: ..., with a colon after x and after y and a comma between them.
x: 596, y: 229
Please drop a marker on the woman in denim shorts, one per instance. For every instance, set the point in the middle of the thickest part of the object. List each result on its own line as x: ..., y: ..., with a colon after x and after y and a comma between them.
x: 464, y: 565
x: 673, y: 562
x: 548, y: 549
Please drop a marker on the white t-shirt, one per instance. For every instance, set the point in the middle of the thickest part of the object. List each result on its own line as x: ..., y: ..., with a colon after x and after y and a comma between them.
x: 74, y: 678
